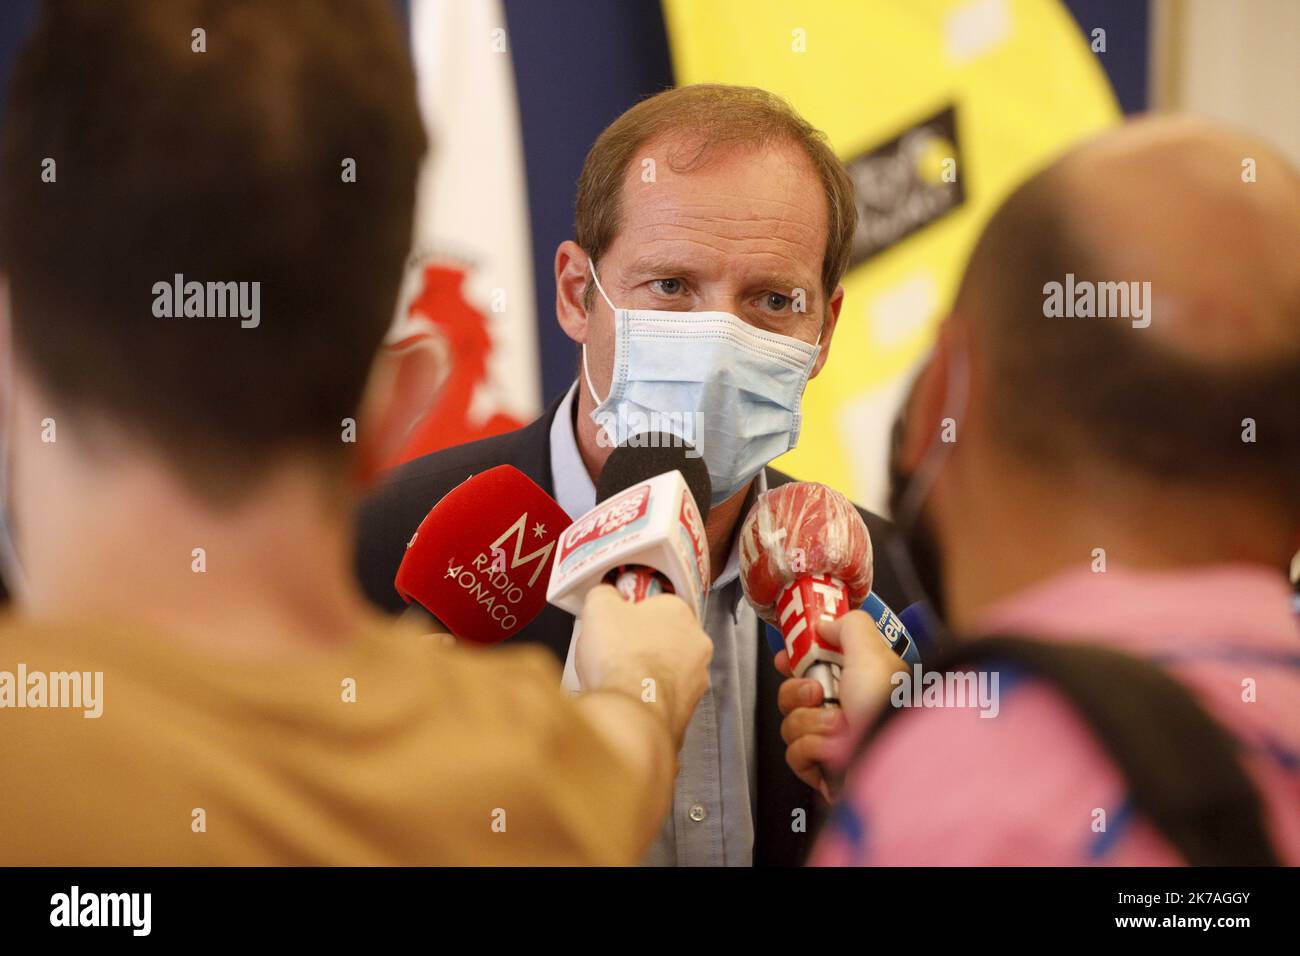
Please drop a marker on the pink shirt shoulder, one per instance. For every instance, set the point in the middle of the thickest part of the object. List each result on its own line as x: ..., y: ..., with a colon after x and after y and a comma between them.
x: 1031, y: 786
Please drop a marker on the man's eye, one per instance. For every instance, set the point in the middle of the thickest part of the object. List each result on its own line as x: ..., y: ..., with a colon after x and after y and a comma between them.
x: 667, y: 286
x: 776, y: 301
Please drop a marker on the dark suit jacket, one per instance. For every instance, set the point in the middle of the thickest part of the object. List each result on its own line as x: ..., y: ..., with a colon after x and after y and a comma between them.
x: 390, y: 515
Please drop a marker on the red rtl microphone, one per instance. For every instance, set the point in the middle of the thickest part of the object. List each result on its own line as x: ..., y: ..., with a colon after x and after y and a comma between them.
x: 805, y: 557
x: 646, y: 533
x: 481, y: 558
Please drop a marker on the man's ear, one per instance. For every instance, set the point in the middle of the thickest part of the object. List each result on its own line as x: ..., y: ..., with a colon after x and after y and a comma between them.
x: 402, y: 387
x: 828, y: 329
x: 925, y: 410
x: 572, y: 273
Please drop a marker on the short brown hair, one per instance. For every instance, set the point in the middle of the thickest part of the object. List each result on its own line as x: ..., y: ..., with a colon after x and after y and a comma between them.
x: 224, y: 165
x: 713, y: 115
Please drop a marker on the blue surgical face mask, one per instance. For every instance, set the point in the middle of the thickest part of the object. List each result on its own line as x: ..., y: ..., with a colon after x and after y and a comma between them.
x: 731, y: 390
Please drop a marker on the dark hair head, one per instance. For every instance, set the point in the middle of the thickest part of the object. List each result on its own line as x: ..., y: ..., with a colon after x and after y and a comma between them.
x: 222, y: 166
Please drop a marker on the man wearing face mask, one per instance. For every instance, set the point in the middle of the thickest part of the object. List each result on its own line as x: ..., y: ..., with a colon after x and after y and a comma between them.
x: 713, y: 227
x: 1121, y: 496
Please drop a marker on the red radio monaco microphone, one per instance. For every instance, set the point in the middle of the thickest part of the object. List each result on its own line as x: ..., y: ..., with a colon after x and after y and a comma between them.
x: 805, y: 556
x: 481, y: 558
x: 646, y: 533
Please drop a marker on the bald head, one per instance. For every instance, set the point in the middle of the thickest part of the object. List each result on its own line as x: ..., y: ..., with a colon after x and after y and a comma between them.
x: 1165, y: 200
x: 1198, y: 227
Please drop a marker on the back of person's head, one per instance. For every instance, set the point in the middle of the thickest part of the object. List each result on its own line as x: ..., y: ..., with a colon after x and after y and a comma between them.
x: 1200, y: 392
x: 222, y: 141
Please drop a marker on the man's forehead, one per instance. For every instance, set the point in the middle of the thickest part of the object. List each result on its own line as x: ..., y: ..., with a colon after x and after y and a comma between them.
x: 684, y: 167
x: 766, y: 200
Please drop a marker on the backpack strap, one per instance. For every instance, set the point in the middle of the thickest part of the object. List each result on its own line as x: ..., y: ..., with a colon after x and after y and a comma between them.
x: 1180, y: 764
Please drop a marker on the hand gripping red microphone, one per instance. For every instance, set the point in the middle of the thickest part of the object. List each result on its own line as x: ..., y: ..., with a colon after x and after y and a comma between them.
x: 481, y: 559
x: 805, y: 556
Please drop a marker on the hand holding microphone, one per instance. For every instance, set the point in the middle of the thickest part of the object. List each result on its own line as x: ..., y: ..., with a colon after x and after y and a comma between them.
x: 480, y: 564
x: 645, y: 536
x: 653, y: 650
x: 805, y: 562
x: 805, y: 558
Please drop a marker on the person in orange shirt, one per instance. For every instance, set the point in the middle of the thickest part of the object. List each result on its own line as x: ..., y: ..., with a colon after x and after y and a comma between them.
x: 190, y: 674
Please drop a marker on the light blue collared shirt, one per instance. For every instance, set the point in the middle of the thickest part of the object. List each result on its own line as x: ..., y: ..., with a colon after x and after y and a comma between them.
x: 712, y: 818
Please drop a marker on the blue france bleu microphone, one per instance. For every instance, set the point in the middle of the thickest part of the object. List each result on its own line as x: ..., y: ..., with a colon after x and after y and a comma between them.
x: 895, y: 629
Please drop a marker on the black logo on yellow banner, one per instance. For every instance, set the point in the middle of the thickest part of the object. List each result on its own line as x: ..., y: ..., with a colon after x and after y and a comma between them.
x: 905, y: 184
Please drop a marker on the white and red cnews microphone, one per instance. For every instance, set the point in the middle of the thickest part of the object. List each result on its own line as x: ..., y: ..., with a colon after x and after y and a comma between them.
x: 481, y: 559
x: 805, y: 557
x: 646, y: 533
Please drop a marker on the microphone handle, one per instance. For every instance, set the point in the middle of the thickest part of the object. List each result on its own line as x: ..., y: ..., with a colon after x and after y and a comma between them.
x: 416, y: 613
x: 828, y: 675
x: 801, y: 606
x: 637, y: 582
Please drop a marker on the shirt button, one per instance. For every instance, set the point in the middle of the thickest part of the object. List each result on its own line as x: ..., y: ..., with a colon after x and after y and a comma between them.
x: 697, y: 812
